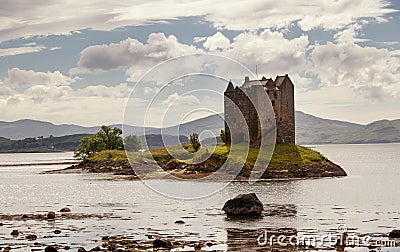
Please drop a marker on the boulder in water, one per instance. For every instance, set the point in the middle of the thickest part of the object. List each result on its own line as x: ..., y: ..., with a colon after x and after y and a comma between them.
x: 65, y: 210
x: 395, y: 233
x: 50, y: 249
x: 51, y: 215
x: 244, y: 205
x: 158, y: 243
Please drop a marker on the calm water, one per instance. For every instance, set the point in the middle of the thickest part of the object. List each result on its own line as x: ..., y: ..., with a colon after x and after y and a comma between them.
x: 366, y: 201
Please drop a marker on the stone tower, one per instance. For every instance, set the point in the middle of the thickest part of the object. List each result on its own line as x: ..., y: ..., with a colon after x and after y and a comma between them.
x: 281, y: 94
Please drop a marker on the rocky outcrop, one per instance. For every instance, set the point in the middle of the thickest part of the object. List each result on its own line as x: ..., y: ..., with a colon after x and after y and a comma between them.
x: 325, y: 168
x: 51, y: 215
x: 244, y: 205
x: 158, y: 243
x: 50, y: 249
x: 395, y: 233
x: 322, y: 169
x: 87, y: 166
x: 31, y: 237
x: 65, y: 210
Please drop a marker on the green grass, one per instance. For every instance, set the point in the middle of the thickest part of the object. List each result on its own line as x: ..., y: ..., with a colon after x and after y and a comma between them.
x: 109, y: 155
x: 290, y: 154
x: 284, y: 154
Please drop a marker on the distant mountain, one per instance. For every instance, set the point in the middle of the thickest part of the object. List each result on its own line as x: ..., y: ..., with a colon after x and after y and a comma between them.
x: 314, y: 130
x: 213, y: 123
x: 309, y: 130
x: 32, y: 128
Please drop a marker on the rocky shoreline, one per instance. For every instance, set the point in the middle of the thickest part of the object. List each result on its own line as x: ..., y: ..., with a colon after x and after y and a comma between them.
x: 237, y: 239
x: 322, y: 169
x: 87, y: 166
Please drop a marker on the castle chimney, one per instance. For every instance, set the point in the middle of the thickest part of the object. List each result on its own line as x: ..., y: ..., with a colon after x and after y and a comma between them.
x: 246, y: 79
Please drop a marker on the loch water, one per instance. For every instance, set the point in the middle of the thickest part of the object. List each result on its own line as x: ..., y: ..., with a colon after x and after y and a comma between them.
x: 366, y: 201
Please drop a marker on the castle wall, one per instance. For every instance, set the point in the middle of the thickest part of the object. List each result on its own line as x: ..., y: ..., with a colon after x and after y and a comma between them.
x: 238, y: 120
x: 282, y: 99
x: 286, y: 116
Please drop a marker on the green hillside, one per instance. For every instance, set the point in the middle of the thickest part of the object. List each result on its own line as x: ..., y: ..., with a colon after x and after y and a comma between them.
x: 40, y: 144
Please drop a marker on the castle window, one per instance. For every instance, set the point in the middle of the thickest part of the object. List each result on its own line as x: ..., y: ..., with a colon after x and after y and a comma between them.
x: 273, y: 103
x: 281, y: 119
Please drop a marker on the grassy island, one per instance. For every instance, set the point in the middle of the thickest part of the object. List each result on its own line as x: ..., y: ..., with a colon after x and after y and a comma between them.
x: 288, y: 161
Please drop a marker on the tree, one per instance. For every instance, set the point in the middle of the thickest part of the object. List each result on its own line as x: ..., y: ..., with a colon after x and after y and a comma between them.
x: 88, y: 146
x: 111, y: 137
x: 132, y: 143
x: 222, y: 136
x: 194, y: 140
x: 106, y: 139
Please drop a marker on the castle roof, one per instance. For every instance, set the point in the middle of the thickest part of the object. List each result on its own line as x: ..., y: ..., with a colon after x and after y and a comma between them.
x: 268, y: 84
x: 230, y: 87
x: 280, y: 79
x: 248, y: 84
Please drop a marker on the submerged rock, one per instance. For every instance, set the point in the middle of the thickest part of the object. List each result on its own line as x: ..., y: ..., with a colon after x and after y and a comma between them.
x: 50, y: 249
x: 161, y: 244
x: 65, y: 210
x: 15, y: 232
x: 395, y: 233
x: 244, y: 205
x: 179, y: 222
x: 51, y: 215
x: 31, y: 237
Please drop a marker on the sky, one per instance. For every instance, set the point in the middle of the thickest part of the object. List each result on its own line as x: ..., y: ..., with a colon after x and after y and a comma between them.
x: 83, y: 62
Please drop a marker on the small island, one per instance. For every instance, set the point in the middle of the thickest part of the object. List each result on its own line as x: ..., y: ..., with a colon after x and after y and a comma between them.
x: 288, y: 162
x: 243, y: 147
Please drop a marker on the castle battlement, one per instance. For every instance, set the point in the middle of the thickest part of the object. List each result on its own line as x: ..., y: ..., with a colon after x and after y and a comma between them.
x: 281, y: 94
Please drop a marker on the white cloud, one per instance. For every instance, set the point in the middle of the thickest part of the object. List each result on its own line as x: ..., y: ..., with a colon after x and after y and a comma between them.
x: 41, y: 87
x: 216, y: 41
x: 150, y: 90
x: 5, y: 91
x: 273, y: 53
x: 349, y: 35
x: 42, y: 93
x: 131, y: 53
x: 23, y: 78
x: 120, y: 91
x: 14, y: 100
x: 55, y: 48
x: 369, y: 71
x: 21, y: 50
x: 176, y: 100
x: 23, y: 20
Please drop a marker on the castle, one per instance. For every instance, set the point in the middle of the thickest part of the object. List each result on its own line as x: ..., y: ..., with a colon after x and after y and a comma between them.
x: 281, y: 95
